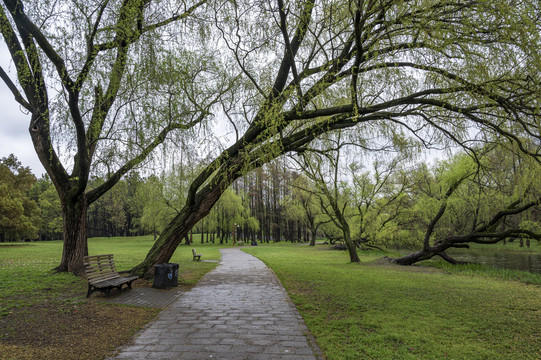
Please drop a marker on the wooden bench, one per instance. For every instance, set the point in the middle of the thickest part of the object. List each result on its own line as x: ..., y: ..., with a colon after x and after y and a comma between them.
x: 196, y: 256
x: 102, y: 275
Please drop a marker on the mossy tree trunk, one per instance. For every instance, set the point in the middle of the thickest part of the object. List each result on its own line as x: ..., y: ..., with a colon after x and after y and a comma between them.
x: 75, y: 241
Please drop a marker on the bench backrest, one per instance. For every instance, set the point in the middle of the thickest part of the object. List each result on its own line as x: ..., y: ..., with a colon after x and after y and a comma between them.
x: 193, y: 251
x: 100, y: 268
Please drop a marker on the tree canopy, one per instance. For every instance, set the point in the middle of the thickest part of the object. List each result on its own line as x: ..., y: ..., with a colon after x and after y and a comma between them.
x: 19, y: 215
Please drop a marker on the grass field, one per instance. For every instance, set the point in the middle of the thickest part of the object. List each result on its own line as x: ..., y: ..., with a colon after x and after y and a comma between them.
x: 371, y: 310
x: 383, y: 311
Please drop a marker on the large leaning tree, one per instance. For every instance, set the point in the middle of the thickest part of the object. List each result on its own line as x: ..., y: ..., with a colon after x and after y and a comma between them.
x: 104, y: 84
x: 432, y: 71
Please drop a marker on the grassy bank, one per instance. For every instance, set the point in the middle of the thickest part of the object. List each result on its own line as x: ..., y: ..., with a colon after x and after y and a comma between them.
x: 382, y: 311
x: 47, y: 316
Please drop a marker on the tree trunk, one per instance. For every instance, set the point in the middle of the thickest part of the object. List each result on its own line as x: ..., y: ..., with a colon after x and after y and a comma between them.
x: 414, y: 257
x: 202, y: 232
x: 425, y: 254
x: 352, y: 249
x: 75, y: 241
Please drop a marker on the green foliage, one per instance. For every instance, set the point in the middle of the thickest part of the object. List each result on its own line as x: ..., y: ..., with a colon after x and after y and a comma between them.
x: 230, y: 210
x: 19, y: 214
x: 51, y: 210
x: 469, y: 190
x: 371, y: 311
x: 156, y: 212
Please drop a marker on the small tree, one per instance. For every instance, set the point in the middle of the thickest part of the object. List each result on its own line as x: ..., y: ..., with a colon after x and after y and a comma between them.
x: 303, y: 206
x: 379, y: 197
x: 332, y: 192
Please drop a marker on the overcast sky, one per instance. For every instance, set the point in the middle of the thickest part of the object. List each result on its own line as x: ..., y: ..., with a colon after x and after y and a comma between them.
x: 14, y: 135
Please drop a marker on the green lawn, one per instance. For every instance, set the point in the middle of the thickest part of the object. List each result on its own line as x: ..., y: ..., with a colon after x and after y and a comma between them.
x: 381, y: 311
x: 355, y: 311
x: 26, y: 278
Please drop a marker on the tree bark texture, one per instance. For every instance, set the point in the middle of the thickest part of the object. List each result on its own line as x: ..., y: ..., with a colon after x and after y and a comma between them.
x: 75, y: 241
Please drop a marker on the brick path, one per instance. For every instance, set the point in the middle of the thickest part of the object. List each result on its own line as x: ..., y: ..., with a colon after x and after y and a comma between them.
x: 237, y: 311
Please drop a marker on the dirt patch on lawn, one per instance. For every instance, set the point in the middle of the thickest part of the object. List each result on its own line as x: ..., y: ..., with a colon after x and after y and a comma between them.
x: 84, y: 329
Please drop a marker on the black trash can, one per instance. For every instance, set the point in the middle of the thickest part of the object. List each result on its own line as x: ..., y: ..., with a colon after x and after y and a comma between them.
x: 163, y: 275
x: 174, y: 280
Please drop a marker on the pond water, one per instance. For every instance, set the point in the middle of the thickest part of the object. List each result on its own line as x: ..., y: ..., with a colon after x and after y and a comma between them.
x: 505, y: 259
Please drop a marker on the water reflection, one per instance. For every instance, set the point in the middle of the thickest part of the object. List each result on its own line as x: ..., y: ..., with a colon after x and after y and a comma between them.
x: 503, y: 259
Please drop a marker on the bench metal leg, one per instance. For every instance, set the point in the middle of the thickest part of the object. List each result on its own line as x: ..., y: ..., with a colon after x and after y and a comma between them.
x: 90, y: 290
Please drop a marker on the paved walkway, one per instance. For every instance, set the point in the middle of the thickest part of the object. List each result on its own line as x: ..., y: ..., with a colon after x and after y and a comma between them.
x: 237, y: 311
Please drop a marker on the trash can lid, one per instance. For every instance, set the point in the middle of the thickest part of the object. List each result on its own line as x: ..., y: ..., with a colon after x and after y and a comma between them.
x: 162, y: 265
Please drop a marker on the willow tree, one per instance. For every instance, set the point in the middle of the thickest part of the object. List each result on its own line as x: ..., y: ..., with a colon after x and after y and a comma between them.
x: 482, y: 201
x: 434, y: 71
x: 324, y: 170
x: 104, y: 84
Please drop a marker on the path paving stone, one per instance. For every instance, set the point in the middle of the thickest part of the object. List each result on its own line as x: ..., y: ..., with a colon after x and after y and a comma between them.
x: 237, y: 311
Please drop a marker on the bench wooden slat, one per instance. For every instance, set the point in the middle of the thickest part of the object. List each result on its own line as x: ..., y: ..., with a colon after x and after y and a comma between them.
x: 102, y: 269
x: 114, y: 282
x: 105, y: 264
x: 104, y: 277
x: 100, y: 265
x: 98, y: 258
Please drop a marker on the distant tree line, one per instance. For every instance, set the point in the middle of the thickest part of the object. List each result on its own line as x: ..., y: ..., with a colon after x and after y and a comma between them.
x: 255, y: 208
